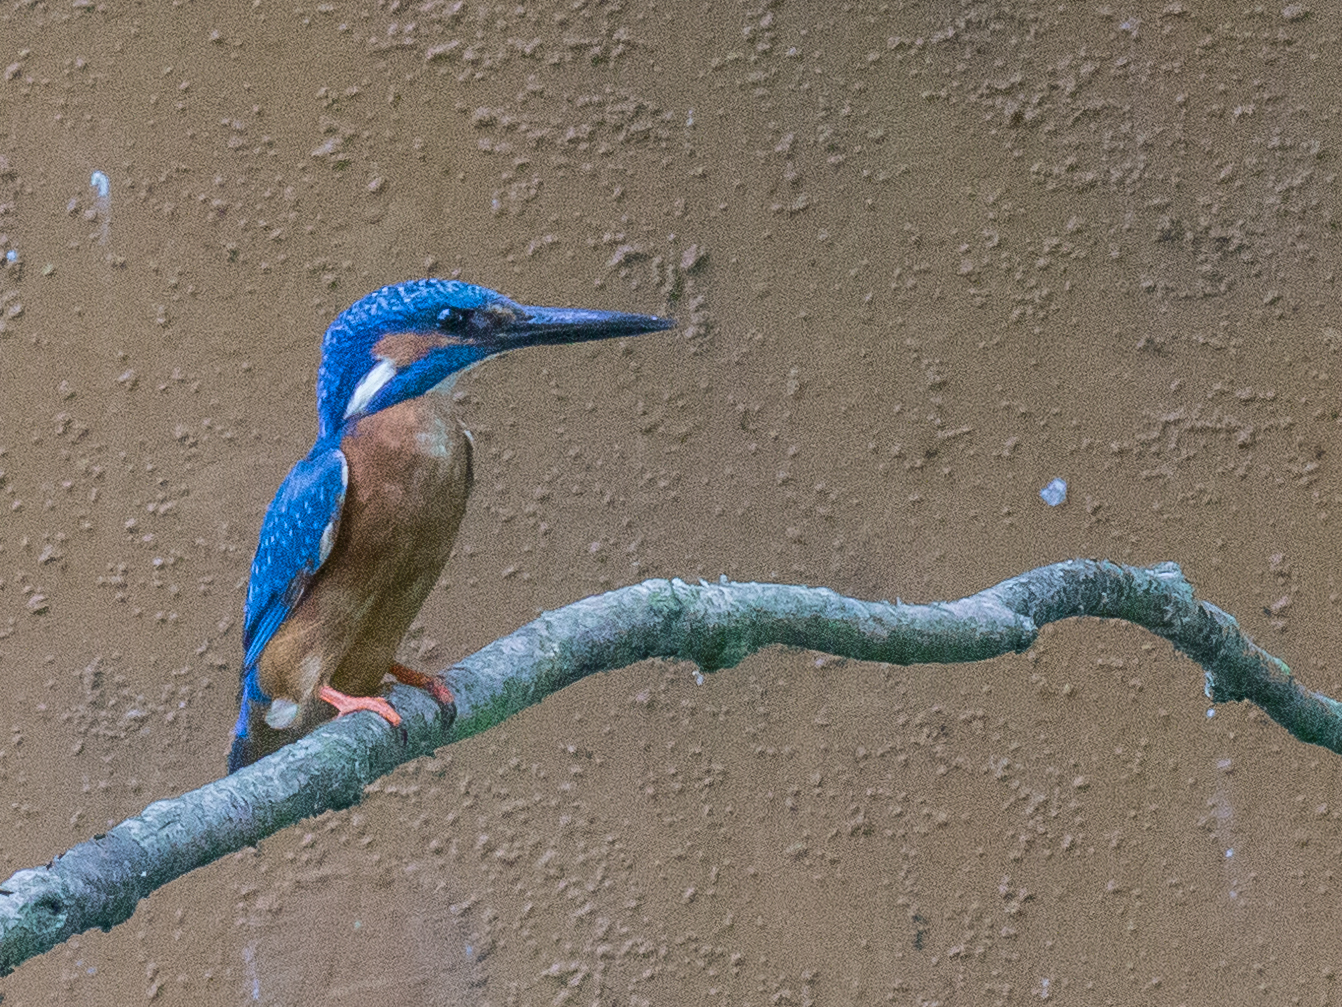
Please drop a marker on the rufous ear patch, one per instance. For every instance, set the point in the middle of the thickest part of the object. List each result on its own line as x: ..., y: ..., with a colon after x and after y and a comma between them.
x: 401, y: 349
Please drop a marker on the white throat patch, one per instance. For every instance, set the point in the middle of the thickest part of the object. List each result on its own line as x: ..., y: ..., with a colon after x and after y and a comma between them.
x: 383, y: 371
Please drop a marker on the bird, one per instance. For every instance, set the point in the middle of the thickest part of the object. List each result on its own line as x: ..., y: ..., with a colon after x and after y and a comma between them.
x: 361, y: 527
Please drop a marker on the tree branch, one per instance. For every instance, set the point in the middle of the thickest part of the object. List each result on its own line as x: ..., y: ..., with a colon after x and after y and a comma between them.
x: 99, y: 882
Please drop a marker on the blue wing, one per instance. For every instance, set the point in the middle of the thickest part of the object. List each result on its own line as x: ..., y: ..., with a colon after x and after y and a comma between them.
x: 296, y: 537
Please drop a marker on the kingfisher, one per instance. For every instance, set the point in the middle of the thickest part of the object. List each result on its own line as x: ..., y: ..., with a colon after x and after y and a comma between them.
x: 360, y: 529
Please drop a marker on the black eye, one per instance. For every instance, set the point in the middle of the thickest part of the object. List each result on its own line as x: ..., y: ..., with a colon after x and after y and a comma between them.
x: 453, y: 318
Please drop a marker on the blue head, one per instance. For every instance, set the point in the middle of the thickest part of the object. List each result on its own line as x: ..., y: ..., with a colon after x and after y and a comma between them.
x: 400, y: 341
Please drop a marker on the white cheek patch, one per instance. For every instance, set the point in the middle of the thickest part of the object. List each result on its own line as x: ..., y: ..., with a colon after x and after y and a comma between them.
x: 383, y: 371
x: 282, y: 713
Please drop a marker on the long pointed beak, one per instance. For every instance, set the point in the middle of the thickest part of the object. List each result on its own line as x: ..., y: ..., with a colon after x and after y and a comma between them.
x: 537, y: 326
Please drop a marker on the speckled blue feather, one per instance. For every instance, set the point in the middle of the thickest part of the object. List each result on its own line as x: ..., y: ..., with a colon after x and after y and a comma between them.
x: 289, y: 553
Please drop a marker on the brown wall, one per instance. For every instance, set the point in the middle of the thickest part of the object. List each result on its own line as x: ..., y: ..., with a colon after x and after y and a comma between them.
x: 927, y: 257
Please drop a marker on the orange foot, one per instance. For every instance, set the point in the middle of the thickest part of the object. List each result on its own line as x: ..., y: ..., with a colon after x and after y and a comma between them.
x: 348, y: 704
x: 432, y: 684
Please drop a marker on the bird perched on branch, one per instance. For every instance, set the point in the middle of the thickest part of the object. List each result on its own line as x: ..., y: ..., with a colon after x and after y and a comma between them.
x: 360, y: 529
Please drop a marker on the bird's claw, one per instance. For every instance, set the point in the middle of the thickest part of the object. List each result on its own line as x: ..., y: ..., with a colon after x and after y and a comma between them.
x: 432, y: 684
x: 348, y: 704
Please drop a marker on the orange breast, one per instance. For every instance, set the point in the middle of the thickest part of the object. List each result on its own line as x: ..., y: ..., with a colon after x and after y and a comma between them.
x: 409, y: 478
